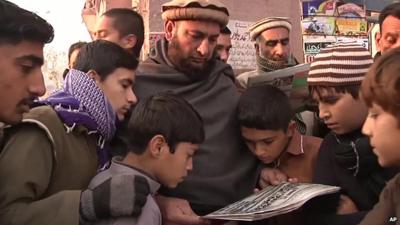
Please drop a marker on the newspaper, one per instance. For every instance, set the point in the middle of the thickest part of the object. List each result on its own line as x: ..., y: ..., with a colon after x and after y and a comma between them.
x: 272, y: 201
x: 291, y: 80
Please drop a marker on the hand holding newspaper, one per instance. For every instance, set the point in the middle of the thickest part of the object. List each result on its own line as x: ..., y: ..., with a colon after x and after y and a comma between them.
x: 272, y: 201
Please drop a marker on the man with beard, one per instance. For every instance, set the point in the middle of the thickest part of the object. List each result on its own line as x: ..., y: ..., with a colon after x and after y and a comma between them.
x: 183, y: 63
x: 272, y: 47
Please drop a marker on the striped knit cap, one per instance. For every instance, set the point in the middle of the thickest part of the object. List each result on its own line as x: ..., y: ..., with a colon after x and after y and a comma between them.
x: 339, y: 64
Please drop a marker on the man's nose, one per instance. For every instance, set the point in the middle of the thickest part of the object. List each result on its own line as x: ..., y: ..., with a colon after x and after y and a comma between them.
x: 204, y: 47
x: 279, y: 49
x: 36, y: 86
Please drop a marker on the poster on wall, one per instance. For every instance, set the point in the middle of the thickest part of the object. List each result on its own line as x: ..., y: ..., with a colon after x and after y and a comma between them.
x: 314, y: 44
x: 242, y: 54
x: 363, y: 41
x: 332, y: 21
x: 351, y: 26
x: 350, y: 10
x: 318, y: 7
x: 318, y: 25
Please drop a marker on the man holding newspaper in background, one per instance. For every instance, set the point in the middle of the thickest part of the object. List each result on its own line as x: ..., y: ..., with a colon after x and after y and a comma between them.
x: 272, y: 47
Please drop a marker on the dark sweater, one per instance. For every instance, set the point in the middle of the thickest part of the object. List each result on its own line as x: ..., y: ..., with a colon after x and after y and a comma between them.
x: 363, y: 188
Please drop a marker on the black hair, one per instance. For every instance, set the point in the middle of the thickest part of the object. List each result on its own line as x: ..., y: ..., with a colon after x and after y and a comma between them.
x: 353, y: 90
x: 104, y: 57
x: 75, y: 46
x: 265, y: 107
x: 164, y: 114
x: 17, y: 24
x: 127, y: 21
x: 226, y: 30
x: 390, y: 10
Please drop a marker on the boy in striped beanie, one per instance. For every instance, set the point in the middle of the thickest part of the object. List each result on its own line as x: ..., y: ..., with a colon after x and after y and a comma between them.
x: 345, y: 157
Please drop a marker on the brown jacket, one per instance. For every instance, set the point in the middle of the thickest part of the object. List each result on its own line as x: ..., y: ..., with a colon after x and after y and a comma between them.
x: 387, y: 210
x: 43, y: 170
x: 299, y: 159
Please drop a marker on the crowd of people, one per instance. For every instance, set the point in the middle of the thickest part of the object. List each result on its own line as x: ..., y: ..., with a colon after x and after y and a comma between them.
x: 178, y: 135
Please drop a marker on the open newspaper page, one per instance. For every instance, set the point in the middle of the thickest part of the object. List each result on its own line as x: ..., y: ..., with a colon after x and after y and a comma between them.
x: 291, y: 80
x: 272, y: 201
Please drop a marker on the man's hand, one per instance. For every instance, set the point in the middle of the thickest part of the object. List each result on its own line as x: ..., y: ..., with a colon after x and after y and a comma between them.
x: 176, y: 211
x: 346, y: 206
x: 271, y: 176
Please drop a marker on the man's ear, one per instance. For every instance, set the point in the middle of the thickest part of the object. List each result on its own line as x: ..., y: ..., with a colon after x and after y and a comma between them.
x: 129, y: 41
x: 158, y: 146
x: 257, y: 47
x: 291, y: 128
x: 169, y: 27
x: 94, y: 75
x: 378, y: 37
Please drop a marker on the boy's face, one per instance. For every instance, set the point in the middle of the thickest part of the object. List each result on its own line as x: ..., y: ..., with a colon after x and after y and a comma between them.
x: 384, y: 132
x: 267, y: 145
x: 174, y: 167
x: 118, y: 89
x: 340, y: 111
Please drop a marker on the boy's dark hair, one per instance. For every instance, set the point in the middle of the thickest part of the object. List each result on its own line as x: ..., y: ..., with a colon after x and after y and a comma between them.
x: 225, y: 30
x: 265, y: 107
x: 390, y: 10
x: 382, y: 83
x: 17, y: 24
x: 353, y: 90
x: 127, y: 21
x: 104, y: 57
x: 164, y: 114
x: 75, y: 46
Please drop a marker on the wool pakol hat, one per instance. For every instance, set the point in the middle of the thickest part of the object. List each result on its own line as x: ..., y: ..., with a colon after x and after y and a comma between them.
x: 339, y: 64
x: 212, y: 10
x: 267, y: 23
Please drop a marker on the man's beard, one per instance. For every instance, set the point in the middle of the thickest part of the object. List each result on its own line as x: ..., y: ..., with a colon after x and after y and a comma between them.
x: 182, y: 62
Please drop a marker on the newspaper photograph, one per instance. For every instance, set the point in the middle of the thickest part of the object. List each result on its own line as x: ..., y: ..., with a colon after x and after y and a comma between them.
x: 272, y: 201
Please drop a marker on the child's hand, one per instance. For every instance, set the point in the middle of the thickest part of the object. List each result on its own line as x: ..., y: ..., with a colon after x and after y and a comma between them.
x: 270, y: 176
x: 177, y: 211
x: 346, y: 206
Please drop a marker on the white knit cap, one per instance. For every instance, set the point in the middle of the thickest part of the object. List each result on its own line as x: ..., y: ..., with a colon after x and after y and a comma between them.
x: 267, y: 23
